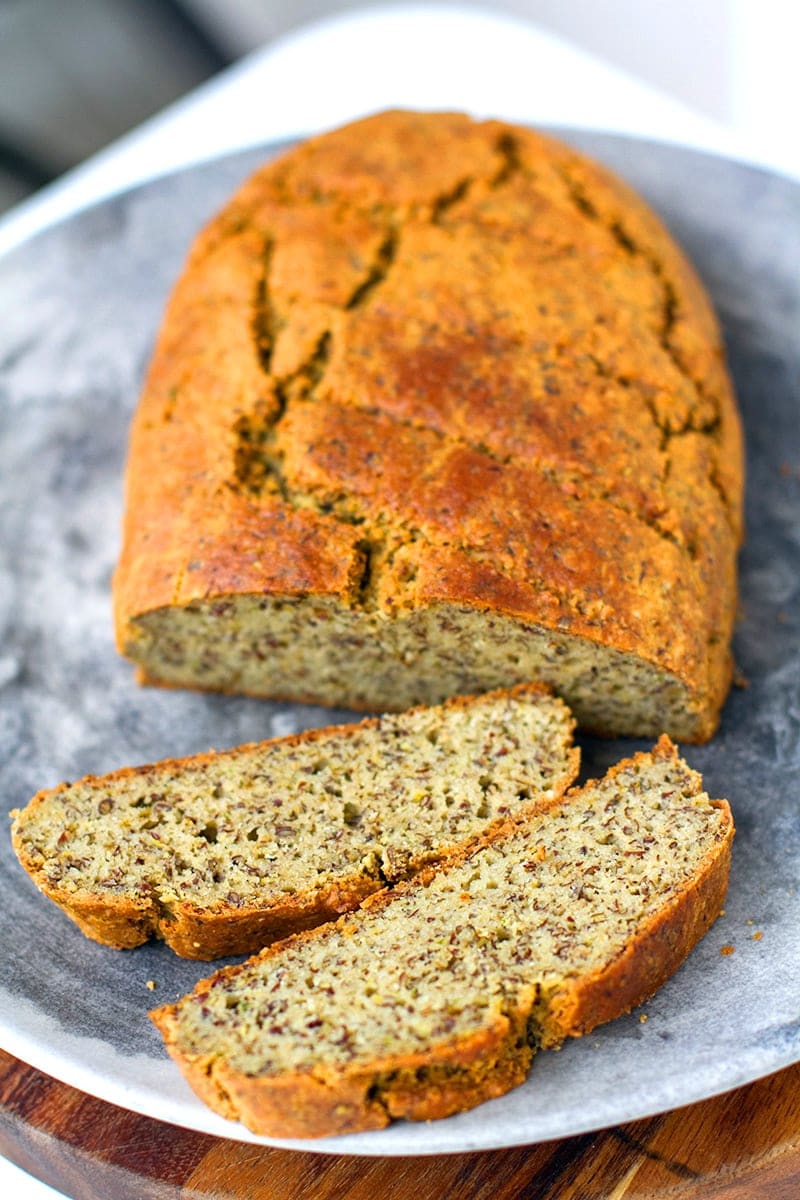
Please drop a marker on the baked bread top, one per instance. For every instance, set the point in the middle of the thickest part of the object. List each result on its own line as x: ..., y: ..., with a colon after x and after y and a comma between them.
x: 422, y: 362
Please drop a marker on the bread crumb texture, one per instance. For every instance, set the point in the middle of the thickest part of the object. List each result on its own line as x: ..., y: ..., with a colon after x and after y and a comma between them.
x: 222, y: 853
x: 437, y: 407
x: 435, y: 996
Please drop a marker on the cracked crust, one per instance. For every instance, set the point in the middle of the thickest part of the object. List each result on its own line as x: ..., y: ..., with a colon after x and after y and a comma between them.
x: 423, y: 365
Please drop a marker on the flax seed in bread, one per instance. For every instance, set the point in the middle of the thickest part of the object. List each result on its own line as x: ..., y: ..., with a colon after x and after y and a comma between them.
x: 437, y: 406
x: 433, y: 996
x: 222, y: 853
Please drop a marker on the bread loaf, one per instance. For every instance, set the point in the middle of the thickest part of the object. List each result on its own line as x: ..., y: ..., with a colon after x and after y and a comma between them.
x: 435, y: 995
x: 437, y: 407
x: 222, y: 853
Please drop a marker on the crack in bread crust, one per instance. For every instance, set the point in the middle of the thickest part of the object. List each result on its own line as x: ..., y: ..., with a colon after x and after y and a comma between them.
x: 708, y: 425
x: 507, y: 147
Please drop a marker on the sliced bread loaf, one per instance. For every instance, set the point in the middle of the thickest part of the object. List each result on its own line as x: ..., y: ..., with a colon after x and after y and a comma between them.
x: 434, y: 996
x: 437, y: 406
x: 222, y: 853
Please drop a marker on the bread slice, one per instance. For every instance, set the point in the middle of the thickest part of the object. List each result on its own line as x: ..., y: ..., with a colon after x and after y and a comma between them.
x: 438, y: 406
x: 434, y: 996
x: 222, y: 853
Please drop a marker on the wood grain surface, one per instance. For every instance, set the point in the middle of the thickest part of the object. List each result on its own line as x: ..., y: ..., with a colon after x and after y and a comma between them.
x: 741, y: 1146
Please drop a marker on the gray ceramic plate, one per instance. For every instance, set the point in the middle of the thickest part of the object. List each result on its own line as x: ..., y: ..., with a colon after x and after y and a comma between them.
x: 80, y: 305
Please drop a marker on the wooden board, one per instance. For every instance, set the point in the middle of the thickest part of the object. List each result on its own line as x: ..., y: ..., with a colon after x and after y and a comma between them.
x: 741, y: 1146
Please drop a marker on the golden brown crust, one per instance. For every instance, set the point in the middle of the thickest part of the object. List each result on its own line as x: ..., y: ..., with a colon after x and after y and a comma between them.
x: 214, y: 931
x: 454, y: 1076
x: 123, y: 922
x: 459, y: 346
x: 450, y: 1078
